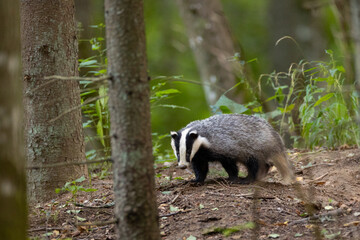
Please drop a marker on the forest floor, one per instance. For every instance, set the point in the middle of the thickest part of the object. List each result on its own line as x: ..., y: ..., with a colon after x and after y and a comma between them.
x: 328, y: 189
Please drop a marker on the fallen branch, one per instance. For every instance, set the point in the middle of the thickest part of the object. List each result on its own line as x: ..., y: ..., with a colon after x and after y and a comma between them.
x: 102, y: 206
x: 68, y: 164
x: 317, y: 216
x: 103, y: 223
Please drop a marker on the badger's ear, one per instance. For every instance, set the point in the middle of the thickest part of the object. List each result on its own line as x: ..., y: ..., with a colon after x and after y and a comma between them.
x: 173, y: 134
x: 193, y: 134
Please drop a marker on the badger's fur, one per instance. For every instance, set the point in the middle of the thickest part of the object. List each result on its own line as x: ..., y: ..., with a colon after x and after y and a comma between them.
x: 229, y: 139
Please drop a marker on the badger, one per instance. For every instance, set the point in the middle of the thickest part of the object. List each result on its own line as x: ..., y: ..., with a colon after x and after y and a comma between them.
x: 229, y: 139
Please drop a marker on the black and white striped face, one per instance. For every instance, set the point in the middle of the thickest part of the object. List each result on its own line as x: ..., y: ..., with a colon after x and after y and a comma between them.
x: 186, y: 144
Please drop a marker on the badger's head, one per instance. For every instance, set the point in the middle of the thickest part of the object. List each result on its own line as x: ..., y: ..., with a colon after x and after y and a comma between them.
x: 185, y: 144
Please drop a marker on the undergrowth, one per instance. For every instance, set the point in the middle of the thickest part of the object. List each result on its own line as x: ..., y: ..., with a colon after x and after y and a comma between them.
x: 311, y: 102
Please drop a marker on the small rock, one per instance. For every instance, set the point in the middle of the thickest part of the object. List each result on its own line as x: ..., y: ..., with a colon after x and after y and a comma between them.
x: 356, y: 214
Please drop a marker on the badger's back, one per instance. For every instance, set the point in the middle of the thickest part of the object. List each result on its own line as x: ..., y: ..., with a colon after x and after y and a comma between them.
x: 239, y: 136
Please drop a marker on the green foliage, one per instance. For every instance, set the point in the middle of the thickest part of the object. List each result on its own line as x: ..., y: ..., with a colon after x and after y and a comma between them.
x: 328, y: 110
x: 94, y: 98
x: 74, y: 188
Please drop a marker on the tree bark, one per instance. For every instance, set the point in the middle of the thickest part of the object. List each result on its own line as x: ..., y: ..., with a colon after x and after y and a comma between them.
x: 49, y: 47
x: 13, y: 212
x: 129, y: 105
x: 212, y: 43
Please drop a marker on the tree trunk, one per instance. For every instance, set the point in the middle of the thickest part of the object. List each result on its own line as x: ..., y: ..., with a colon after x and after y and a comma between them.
x: 49, y: 47
x: 355, y: 29
x: 213, y: 47
x: 292, y: 18
x: 129, y: 106
x: 13, y: 213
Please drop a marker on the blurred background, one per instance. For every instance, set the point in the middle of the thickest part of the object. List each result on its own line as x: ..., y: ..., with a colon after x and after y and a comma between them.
x: 266, y: 38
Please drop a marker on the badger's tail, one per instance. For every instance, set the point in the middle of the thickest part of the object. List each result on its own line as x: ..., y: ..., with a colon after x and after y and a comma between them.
x: 284, y: 166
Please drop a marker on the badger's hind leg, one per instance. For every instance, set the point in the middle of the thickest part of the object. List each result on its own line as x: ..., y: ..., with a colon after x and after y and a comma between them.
x: 256, y: 171
x: 231, y: 168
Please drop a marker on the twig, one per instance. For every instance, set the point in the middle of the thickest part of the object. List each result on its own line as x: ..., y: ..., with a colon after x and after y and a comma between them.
x: 93, y: 79
x: 44, y: 229
x: 318, y: 178
x: 174, y: 213
x: 319, y: 164
x: 103, y: 223
x: 246, y: 195
x: 172, y: 201
x: 76, y: 107
x: 102, y: 206
x: 55, y: 78
x: 68, y: 164
x: 317, y: 216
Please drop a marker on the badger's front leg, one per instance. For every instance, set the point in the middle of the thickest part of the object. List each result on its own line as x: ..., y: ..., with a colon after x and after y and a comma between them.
x: 200, y: 169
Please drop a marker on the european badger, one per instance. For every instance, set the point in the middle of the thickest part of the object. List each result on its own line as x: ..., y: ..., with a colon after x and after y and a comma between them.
x: 229, y: 139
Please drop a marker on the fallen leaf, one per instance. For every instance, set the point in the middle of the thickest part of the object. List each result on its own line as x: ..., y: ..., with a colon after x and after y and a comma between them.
x: 328, y: 208
x: 173, y: 209
x: 274, y: 235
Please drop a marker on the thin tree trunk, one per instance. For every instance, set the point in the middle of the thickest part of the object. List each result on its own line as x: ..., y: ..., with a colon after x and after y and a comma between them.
x: 13, y: 213
x: 129, y: 106
x: 213, y: 47
x: 355, y: 28
x: 49, y: 47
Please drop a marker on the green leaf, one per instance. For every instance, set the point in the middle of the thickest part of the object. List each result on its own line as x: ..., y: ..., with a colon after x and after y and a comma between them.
x: 166, y: 92
x: 201, y: 206
x: 87, y: 63
x: 80, y: 179
x: 225, y: 109
x: 80, y: 219
x: 173, y: 209
x: 73, y: 211
x: 98, y: 110
x: 166, y: 192
x: 100, y: 132
x: 298, y: 234
x: 287, y: 109
x: 89, y: 190
x: 274, y: 235
x: 227, y: 105
x: 191, y: 238
x: 324, y: 98
x: 103, y: 95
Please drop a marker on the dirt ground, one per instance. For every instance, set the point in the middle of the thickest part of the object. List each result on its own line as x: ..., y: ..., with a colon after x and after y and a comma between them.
x: 325, y: 204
